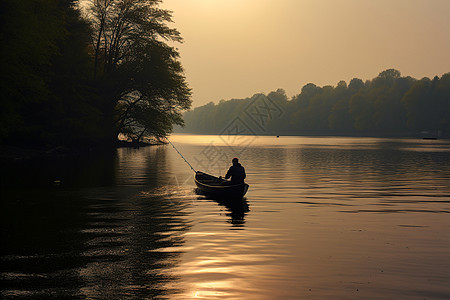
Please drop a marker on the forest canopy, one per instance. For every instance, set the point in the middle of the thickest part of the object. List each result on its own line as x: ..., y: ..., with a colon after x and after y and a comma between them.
x: 69, y: 78
x: 388, y: 105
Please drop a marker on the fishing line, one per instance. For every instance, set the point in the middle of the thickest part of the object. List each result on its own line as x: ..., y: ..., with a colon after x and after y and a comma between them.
x: 181, y: 155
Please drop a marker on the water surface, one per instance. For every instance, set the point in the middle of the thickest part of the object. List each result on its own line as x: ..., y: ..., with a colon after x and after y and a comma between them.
x: 325, y: 218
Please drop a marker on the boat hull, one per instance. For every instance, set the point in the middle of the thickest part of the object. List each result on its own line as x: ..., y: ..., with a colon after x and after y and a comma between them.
x: 219, y: 188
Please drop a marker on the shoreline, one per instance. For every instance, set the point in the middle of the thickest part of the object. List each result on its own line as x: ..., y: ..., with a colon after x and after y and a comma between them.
x: 11, y: 154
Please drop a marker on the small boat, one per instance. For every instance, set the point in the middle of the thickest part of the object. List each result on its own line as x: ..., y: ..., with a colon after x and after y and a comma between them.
x: 219, y: 188
x: 431, y: 134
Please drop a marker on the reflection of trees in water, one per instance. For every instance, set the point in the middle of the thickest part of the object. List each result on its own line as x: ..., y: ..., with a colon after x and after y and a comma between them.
x: 135, y: 247
x: 114, y: 241
x: 85, y: 169
x: 41, y: 244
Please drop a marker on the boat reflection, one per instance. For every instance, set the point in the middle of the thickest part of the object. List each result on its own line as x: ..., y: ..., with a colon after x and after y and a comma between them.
x: 237, y: 208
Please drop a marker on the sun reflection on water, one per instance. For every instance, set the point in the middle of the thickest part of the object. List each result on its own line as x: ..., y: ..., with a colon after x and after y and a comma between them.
x: 332, y: 219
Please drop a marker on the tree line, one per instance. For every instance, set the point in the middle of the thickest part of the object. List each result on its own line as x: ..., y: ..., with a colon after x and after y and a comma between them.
x: 387, y: 105
x: 73, y: 77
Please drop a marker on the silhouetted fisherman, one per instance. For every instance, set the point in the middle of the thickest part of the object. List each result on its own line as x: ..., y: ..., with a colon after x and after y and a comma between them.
x: 236, y: 172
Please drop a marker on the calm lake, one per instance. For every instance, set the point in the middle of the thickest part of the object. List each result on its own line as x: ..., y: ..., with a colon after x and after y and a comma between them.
x: 324, y: 218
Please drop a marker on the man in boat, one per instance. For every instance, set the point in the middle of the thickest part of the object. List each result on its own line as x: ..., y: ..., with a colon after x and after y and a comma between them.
x: 236, y: 172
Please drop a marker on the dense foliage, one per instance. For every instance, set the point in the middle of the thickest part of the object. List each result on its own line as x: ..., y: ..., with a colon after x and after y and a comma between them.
x: 386, y: 105
x: 73, y: 80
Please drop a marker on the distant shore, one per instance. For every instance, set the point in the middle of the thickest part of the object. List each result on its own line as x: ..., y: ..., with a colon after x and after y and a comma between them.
x: 409, y: 135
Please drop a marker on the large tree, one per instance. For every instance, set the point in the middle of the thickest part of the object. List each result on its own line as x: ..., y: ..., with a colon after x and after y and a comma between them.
x: 142, y: 84
x: 44, y: 72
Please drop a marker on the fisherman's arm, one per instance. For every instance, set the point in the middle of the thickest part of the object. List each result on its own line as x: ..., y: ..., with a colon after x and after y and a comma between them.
x: 228, y: 173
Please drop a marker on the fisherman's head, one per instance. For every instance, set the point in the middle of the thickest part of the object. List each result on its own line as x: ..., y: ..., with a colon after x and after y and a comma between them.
x: 235, y: 161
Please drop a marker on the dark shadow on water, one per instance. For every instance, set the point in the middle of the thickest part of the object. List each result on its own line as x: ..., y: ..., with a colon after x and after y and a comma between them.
x: 71, y: 247
x: 93, y: 169
x: 237, y: 208
x: 99, y: 234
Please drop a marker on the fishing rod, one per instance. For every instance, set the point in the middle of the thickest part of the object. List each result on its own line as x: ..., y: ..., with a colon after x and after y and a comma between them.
x: 181, y: 155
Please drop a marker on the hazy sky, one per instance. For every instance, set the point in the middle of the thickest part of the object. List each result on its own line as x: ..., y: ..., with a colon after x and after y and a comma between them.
x: 235, y: 48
